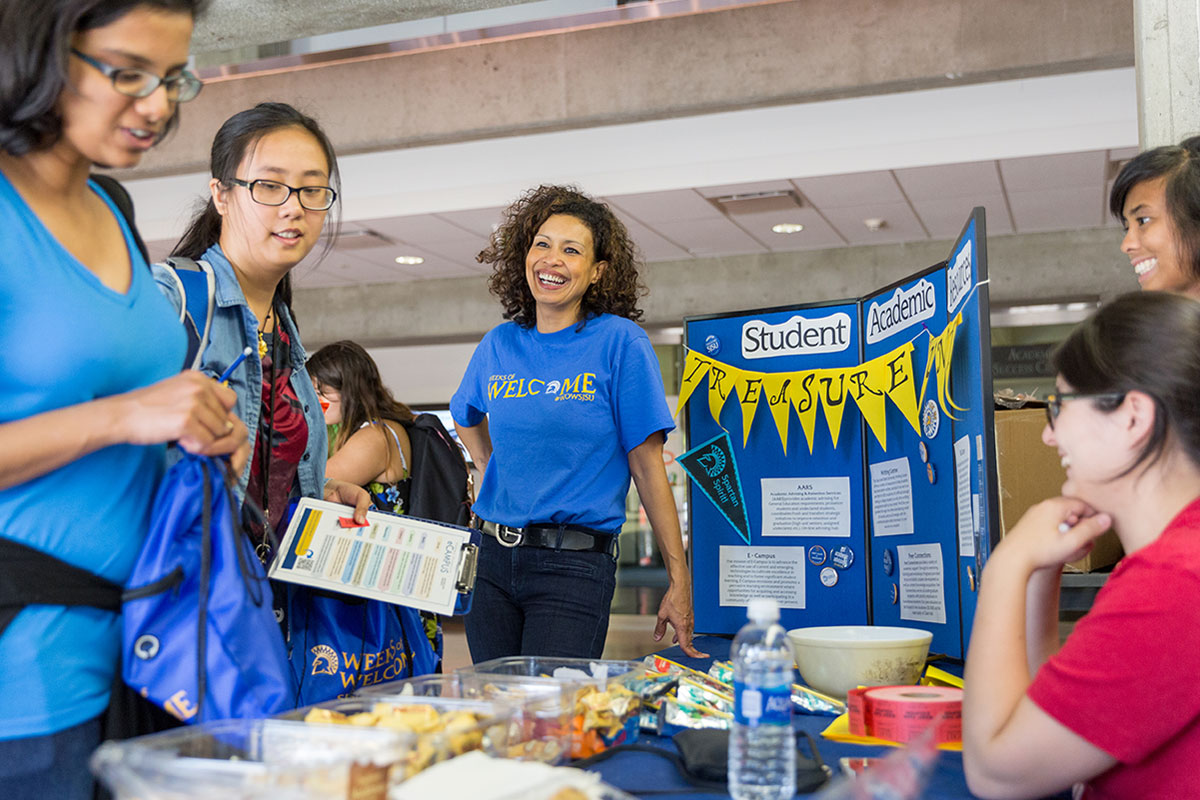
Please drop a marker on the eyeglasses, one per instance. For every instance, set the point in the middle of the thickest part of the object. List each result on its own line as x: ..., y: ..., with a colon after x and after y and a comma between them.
x: 1054, y: 402
x: 140, y: 83
x: 273, y: 193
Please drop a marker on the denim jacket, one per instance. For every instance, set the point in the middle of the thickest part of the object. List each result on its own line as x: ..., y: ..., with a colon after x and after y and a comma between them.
x: 234, y: 327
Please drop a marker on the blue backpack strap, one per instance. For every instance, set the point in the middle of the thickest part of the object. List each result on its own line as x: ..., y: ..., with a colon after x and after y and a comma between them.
x: 197, y: 287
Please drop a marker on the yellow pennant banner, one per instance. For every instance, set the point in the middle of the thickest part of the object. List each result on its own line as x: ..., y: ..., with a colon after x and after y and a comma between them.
x: 941, y: 351
x: 869, y: 386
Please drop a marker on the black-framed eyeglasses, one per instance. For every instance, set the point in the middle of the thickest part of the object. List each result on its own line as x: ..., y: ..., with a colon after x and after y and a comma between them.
x: 1054, y: 402
x: 274, y: 193
x: 140, y: 83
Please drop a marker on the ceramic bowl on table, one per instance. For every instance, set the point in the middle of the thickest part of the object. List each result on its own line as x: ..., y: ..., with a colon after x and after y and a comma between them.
x: 837, y: 658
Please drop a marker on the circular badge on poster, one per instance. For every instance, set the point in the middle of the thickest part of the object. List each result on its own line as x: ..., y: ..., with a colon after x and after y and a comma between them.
x: 889, y: 562
x: 895, y: 594
x: 923, y: 449
x: 932, y: 473
x: 816, y: 554
x: 931, y: 418
x: 712, y: 345
x: 829, y: 576
x: 842, y: 557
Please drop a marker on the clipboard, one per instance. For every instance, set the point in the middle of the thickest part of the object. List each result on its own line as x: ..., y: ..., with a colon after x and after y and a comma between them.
x: 398, y: 559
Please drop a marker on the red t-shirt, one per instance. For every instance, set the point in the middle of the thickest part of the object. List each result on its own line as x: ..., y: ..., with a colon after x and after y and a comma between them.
x: 1126, y: 678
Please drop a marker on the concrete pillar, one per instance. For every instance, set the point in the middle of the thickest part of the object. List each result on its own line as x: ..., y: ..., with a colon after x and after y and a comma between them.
x: 1167, y: 57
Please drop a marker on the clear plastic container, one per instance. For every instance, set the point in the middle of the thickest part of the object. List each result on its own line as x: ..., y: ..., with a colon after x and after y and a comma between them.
x: 253, y: 759
x: 598, y: 709
x: 443, y: 726
x: 541, y: 707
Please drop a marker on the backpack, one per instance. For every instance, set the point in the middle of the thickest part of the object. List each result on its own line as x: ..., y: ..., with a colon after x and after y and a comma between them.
x: 197, y: 286
x: 441, y: 483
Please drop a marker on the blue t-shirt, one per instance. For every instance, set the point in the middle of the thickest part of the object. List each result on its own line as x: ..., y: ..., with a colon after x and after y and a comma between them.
x: 564, y: 409
x: 66, y: 338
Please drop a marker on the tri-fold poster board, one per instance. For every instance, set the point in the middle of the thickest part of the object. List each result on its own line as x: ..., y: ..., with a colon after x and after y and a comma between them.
x: 843, y: 456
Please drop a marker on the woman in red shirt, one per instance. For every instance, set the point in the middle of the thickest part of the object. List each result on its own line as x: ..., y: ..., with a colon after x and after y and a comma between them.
x: 1115, y: 706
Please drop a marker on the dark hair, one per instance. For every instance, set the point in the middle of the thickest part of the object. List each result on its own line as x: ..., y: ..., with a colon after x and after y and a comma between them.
x: 619, y: 287
x: 1147, y: 342
x: 346, y: 367
x: 33, y: 62
x: 1180, y: 165
x: 240, y: 134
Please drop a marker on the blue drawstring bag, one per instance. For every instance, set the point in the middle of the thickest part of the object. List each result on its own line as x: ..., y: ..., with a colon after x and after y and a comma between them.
x: 342, y: 643
x: 200, y: 636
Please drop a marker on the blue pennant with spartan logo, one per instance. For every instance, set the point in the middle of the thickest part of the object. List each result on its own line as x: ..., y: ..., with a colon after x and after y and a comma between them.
x: 712, y: 467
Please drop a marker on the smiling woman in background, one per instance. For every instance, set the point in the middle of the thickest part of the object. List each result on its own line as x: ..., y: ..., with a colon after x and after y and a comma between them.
x: 558, y: 408
x: 89, y: 358
x: 1156, y: 197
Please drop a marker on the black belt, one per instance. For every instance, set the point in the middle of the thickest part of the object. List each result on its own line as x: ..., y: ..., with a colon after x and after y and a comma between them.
x: 553, y: 537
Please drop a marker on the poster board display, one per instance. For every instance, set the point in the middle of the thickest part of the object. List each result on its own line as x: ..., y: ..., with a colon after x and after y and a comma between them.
x: 842, y: 454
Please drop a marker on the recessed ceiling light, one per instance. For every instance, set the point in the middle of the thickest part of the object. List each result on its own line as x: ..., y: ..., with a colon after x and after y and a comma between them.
x: 787, y: 227
x: 875, y: 223
x: 409, y: 260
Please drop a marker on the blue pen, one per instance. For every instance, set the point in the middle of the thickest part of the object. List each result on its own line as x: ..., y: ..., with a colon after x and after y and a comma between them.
x: 229, y: 370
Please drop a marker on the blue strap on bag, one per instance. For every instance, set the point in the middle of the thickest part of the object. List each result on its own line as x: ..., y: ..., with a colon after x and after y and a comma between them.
x: 200, y: 636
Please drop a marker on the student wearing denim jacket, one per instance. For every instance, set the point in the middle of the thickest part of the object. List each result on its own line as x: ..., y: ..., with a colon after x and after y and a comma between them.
x: 272, y: 167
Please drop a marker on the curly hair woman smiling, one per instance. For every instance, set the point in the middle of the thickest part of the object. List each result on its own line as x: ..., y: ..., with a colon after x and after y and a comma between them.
x: 559, y: 407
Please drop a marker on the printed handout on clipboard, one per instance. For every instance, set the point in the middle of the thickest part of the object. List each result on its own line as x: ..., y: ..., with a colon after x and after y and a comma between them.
x: 396, y: 559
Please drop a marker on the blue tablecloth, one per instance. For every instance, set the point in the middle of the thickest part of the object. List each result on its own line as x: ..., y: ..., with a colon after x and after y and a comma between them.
x: 642, y: 774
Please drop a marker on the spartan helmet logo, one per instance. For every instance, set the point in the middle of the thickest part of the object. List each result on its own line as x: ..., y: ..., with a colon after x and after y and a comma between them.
x: 552, y: 387
x: 325, y: 660
x: 713, y: 462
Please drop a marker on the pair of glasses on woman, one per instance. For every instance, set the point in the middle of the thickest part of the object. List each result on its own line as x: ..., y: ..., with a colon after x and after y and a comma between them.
x: 1054, y: 402
x: 274, y: 193
x: 140, y: 83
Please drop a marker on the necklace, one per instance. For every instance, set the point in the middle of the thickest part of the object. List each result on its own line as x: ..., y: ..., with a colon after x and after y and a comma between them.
x: 262, y: 345
x: 263, y: 549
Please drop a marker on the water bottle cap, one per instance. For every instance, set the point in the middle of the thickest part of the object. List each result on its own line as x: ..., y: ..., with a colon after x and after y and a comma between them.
x: 763, y: 609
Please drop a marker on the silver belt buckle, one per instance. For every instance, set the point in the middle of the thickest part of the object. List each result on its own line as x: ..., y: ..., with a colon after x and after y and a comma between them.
x: 509, y: 537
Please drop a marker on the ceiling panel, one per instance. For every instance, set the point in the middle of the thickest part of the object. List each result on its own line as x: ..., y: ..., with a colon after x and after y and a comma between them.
x: 711, y: 237
x: 858, y: 189
x: 654, y: 208
x: 350, y: 268
x: 944, y: 217
x: 434, y: 266
x: 416, y: 229
x: 654, y: 247
x: 817, y: 233
x: 900, y: 223
x: 1056, y: 209
x: 480, y: 221
x: 460, y: 251
x: 1065, y: 171
x: 978, y: 178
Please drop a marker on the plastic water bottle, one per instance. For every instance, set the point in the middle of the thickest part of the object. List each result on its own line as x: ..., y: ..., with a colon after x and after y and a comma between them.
x: 762, y: 745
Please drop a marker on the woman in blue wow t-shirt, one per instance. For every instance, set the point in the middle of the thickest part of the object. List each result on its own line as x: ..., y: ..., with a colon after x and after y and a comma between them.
x: 89, y: 357
x: 558, y: 408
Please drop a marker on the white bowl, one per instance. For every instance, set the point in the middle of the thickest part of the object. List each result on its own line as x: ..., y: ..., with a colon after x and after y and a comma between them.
x: 836, y: 658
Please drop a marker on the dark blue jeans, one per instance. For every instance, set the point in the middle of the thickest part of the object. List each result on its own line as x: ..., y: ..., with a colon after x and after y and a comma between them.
x: 54, y: 765
x: 532, y: 601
